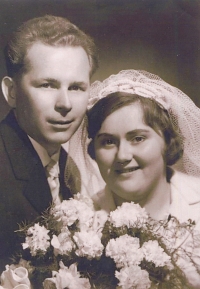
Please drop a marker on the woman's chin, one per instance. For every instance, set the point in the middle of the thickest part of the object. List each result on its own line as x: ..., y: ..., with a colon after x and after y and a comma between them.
x: 127, y: 195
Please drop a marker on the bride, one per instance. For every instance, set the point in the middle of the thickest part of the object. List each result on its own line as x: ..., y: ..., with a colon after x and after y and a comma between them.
x: 144, y: 137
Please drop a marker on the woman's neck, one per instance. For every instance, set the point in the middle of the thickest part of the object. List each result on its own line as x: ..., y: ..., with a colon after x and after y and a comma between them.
x: 156, y: 204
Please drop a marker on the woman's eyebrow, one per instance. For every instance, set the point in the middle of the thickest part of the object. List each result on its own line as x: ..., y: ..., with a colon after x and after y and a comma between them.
x: 132, y: 132
x: 103, y: 134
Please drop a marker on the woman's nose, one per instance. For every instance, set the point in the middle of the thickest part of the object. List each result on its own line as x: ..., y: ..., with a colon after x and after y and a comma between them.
x: 124, y: 153
x: 63, y: 101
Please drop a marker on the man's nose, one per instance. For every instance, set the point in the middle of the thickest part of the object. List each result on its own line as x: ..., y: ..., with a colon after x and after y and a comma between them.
x: 63, y: 102
x: 125, y: 152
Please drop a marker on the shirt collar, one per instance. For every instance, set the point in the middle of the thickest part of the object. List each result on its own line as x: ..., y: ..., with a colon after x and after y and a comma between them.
x: 43, y: 155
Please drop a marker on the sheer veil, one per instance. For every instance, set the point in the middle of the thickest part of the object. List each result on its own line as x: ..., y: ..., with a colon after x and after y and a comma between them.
x: 184, y: 113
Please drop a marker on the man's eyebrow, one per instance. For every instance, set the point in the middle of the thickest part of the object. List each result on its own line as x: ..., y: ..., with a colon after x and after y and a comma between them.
x: 45, y: 79
x: 79, y: 83
x: 50, y: 79
x: 54, y: 80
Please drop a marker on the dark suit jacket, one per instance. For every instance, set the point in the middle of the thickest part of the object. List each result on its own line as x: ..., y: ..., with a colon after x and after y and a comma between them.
x: 24, y: 190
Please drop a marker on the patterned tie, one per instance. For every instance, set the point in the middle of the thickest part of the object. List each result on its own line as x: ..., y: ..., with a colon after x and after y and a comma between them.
x: 52, y: 172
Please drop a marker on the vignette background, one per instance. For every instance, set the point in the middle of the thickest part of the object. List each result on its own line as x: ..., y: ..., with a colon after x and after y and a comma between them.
x: 160, y: 36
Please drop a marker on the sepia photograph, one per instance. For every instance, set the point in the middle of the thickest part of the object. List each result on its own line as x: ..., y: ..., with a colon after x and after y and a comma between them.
x: 100, y: 144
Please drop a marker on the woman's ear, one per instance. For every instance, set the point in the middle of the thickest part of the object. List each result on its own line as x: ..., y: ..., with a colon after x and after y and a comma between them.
x: 8, y: 89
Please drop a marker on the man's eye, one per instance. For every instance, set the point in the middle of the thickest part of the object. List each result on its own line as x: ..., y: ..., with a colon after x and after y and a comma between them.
x: 46, y: 85
x: 75, y: 87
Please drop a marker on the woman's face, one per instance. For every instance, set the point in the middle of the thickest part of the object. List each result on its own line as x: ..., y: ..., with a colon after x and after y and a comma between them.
x: 129, y: 154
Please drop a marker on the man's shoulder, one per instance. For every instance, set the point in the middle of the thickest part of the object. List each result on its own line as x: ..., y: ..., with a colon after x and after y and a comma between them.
x: 5, y: 135
x: 17, y: 154
x: 9, y: 127
x: 12, y: 134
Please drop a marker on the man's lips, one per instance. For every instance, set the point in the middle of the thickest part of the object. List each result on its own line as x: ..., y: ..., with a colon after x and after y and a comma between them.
x: 60, y: 122
x: 126, y: 170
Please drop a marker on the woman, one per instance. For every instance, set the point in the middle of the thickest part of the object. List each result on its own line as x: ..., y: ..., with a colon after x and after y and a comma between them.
x: 133, y: 143
x: 145, y: 140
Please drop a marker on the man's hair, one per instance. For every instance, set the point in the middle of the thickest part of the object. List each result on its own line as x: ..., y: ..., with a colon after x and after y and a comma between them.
x: 154, y: 116
x: 50, y: 30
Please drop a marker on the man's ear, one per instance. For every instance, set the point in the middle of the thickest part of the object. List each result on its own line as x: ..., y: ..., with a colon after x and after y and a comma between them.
x: 8, y: 89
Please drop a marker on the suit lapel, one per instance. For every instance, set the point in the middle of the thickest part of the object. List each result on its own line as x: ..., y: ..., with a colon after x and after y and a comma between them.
x: 37, y: 189
x: 26, y: 164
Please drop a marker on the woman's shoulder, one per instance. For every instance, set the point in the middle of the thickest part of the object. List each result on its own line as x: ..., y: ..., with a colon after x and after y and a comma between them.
x: 185, y: 194
x: 188, y: 186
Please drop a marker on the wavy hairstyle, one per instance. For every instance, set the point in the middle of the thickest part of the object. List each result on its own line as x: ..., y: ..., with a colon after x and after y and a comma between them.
x: 50, y: 30
x: 154, y: 116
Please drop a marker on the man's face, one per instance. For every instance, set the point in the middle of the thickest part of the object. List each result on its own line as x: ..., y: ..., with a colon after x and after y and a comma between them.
x: 52, y: 95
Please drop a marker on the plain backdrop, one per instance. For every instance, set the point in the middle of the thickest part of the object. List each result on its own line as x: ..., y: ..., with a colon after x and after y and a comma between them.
x: 160, y: 36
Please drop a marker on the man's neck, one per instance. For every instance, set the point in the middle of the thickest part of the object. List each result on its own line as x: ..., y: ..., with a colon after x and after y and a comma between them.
x: 43, y: 153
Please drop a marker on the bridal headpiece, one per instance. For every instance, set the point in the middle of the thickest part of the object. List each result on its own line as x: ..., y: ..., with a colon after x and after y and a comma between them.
x: 184, y: 114
x: 130, y: 81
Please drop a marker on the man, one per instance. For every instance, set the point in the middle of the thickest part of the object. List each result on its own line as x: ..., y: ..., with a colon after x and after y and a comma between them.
x: 49, y: 64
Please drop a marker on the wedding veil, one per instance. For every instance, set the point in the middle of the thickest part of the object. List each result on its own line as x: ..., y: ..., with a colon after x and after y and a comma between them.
x: 184, y: 113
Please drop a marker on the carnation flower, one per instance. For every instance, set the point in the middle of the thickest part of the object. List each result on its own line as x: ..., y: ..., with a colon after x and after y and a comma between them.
x: 99, y: 220
x: 89, y: 244
x: 140, y: 252
x: 130, y: 215
x: 69, y: 211
x: 125, y: 251
x: 85, y: 216
x: 169, y: 232
x: 154, y: 253
x: 37, y: 239
x: 67, y: 278
x: 62, y: 243
x: 133, y: 277
x: 85, y: 199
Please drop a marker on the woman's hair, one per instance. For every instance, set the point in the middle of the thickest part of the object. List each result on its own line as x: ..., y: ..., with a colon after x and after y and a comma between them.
x: 50, y: 30
x: 155, y: 116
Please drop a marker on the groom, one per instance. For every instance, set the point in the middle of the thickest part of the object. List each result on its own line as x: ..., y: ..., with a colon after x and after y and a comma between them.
x: 49, y: 65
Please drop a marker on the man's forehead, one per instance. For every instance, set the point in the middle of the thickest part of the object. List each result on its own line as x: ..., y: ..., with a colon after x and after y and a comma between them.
x: 39, y: 46
x: 50, y: 60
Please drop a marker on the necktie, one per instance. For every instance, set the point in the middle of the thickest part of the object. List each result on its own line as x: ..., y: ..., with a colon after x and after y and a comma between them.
x: 52, y: 172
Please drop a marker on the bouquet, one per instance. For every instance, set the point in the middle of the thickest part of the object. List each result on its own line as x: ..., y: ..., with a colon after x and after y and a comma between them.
x: 75, y: 247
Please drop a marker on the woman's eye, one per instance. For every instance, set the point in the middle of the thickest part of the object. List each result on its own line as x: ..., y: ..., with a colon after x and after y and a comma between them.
x: 108, y: 142
x: 138, y: 139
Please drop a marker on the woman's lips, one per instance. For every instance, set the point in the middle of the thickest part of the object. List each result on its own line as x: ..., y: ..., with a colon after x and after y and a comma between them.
x: 126, y: 170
